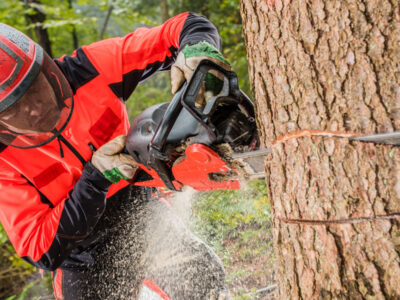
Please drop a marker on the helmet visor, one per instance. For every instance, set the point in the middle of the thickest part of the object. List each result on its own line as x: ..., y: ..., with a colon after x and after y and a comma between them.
x: 41, y: 113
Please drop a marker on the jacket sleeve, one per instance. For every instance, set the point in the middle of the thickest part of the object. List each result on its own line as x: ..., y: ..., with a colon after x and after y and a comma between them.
x: 126, y: 61
x: 45, y: 235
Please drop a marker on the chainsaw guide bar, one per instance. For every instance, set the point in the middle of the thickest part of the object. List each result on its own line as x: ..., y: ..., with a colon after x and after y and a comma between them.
x: 392, y: 138
x: 251, y: 163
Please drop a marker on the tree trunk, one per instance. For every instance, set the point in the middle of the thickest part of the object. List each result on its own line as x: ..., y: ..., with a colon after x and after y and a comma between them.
x: 38, y: 19
x: 330, y: 66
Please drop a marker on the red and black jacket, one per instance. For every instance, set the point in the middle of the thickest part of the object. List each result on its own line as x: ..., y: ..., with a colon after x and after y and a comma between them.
x: 51, y: 196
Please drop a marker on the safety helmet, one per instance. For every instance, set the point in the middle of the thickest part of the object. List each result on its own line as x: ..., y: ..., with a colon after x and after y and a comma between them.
x: 35, y: 97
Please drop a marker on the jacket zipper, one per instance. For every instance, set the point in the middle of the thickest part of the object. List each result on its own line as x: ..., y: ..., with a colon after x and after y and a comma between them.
x: 73, y: 150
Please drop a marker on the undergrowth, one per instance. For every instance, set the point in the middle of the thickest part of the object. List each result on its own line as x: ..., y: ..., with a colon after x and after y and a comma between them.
x: 237, y: 224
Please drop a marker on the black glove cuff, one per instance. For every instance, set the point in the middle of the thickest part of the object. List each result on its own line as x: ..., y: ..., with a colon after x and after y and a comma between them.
x: 93, y: 175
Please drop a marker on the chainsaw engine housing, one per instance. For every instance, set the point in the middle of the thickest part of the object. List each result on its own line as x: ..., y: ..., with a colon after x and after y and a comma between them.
x: 231, y: 124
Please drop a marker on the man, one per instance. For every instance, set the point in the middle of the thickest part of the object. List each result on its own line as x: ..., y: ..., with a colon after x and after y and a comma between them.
x: 65, y: 202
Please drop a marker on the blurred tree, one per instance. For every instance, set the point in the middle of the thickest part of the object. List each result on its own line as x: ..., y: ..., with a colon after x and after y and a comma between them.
x: 107, y: 18
x: 37, y: 17
x: 74, y: 34
x: 164, y: 10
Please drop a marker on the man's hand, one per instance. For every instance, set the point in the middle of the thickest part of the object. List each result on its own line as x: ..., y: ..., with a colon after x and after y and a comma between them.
x: 114, y: 165
x: 187, y: 61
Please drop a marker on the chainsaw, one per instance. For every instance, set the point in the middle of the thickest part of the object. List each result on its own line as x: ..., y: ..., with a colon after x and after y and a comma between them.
x: 178, y: 144
x: 213, y: 147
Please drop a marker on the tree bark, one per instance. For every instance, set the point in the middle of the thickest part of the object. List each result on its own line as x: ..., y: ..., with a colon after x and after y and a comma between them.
x: 331, y: 66
x: 42, y: 35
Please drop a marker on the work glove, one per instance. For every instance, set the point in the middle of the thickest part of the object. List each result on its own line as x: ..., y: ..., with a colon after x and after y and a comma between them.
x: 186, y: 63
x: 113, y: 164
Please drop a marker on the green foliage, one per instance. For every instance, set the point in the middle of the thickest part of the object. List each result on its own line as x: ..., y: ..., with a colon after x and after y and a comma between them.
x: 222, y: 213
x: 3, y: 235
x: 238, y: 225
x: 23, y: 293
x: 12, y: 13
x: 13, y: 270
x: 156, y: 89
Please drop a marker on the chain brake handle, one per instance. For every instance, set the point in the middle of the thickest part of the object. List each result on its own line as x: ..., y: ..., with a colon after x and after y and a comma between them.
x: 230, y: 89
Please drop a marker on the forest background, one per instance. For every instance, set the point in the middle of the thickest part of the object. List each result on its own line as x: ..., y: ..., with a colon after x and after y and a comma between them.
x: 236, y: 224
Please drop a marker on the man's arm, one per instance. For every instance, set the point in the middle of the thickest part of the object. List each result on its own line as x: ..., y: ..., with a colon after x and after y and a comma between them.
x: 126, y: 61
x: 45, y: 235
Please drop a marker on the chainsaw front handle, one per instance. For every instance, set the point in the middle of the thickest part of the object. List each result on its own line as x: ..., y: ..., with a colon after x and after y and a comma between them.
x: 230, y: 89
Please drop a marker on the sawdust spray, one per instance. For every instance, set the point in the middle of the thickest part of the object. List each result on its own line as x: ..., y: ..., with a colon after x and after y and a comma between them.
x: 178, y: 261
x: 149, y: 239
